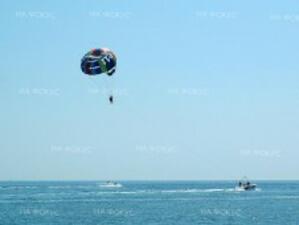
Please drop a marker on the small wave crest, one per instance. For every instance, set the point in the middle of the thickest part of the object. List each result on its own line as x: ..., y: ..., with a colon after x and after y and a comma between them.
x: 18, y: 187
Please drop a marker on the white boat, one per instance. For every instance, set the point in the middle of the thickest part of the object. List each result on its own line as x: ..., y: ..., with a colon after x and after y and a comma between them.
x: 245, y: 185
x: 110, y: 184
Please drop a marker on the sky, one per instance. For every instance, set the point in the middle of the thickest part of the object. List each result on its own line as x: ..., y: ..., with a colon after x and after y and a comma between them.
x: 203, y: 90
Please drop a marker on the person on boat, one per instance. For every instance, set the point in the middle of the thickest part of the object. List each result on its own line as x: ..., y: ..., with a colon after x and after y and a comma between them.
x: 111, y: 99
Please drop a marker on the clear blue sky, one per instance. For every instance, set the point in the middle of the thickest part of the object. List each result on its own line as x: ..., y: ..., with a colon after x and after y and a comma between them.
x: 207, y: 90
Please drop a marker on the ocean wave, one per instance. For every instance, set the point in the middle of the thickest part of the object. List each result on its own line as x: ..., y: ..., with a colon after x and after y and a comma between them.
x: 71, y: 187
x: 10, y: 201
x: 17, y: 187
x: 60, y: 187
x: 286, y: 197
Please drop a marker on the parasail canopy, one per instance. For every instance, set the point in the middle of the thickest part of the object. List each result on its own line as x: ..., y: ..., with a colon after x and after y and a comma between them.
x: 98, y: 61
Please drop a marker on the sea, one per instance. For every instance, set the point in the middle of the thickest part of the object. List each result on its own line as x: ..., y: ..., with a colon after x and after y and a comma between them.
x: 148, y: 203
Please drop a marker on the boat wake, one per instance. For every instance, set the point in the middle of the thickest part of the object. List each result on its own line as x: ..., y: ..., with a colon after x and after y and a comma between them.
x: 175, y: 191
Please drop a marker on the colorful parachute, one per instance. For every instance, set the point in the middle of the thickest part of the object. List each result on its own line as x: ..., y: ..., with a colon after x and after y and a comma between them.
x: 97, y: 61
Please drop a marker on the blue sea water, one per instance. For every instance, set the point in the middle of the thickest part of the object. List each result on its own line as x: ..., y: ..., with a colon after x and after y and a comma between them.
x: 151, y: 203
